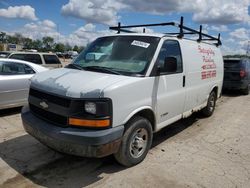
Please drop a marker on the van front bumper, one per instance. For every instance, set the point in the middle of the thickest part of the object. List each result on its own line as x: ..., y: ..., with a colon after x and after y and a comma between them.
x: 74, y: 141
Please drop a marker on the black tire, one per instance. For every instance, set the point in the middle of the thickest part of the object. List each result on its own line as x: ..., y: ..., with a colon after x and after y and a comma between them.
x: 131, y: 142
x: 211, y: 102
x: 245, y: 91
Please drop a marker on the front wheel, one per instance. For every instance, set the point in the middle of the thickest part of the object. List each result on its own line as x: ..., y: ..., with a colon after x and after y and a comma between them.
x: 211, y: 102
x: 136, y: 142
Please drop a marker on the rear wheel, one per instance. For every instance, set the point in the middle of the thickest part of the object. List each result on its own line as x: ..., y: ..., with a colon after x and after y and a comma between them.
x: 246, y: 91
x: 211, y: 102
x: 136, y: 142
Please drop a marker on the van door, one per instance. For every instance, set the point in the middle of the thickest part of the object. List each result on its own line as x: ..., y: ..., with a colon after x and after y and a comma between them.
x: 171, y: 87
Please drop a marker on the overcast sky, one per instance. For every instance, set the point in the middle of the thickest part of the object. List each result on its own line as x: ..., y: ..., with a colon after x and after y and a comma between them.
x: 81, y: 21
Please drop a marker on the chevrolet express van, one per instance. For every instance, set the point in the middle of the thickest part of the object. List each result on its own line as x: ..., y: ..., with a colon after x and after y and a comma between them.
x: 121, y: 90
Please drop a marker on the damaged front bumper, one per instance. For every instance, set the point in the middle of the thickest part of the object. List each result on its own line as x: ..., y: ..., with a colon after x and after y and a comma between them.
x: 75, y: 141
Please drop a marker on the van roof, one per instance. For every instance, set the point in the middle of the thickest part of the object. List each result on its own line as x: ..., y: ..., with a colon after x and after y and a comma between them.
x: 42, y: 53
x: 183, y: 31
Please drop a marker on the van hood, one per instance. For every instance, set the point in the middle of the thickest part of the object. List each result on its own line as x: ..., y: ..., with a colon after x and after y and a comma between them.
x: 75, y: 83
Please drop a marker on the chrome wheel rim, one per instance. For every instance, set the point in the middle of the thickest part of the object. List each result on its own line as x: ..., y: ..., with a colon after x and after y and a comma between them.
x: 139, y: 142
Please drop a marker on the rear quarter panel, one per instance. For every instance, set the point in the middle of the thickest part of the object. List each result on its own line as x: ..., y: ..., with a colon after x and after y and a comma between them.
x: 204, y: 71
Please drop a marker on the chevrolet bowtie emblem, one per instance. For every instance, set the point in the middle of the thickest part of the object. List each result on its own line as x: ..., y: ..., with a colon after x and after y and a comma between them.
x: 44, y: 104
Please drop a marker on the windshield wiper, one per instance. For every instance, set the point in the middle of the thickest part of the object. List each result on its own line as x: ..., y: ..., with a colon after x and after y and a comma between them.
x: 102, y: 69
x: 74, y: 66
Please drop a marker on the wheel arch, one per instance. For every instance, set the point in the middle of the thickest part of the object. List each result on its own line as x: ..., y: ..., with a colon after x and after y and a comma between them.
x: 215, y: 88
x: 146, y: 112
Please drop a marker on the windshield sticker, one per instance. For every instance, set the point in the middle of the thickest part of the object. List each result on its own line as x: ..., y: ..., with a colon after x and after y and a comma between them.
x: 140, y: 44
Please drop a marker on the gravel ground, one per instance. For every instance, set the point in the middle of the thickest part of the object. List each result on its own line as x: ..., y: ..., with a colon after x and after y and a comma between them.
x: 194, y: 152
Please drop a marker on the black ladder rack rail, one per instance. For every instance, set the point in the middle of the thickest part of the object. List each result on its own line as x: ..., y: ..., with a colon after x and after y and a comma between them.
x: 183, y: 30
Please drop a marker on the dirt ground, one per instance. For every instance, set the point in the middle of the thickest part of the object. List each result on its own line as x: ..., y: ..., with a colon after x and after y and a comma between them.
x: 195, y: 152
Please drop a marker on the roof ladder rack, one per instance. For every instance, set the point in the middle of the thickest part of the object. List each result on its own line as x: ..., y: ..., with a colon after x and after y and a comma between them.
x: 183, y: 30
x: 200, y: 34
x: 181, y: 33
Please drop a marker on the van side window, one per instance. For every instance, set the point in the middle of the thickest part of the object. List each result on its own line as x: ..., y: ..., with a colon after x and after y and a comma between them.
x: 51, y: 59
x: 170, y: 48
x: 17, y: 56
x: 34, y: 58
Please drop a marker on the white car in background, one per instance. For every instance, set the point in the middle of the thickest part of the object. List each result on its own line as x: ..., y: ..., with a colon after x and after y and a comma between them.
x: 15, y: 80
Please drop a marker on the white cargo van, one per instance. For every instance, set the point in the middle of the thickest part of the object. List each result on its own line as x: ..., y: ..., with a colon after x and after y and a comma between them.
x: 122, y: 89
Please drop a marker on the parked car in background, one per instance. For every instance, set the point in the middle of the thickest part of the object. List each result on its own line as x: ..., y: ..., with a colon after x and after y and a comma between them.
x: 60, y: 54
x: 49, y: 60
x: 4, y: 54
x: 70, y: 54
x: 14, y: 81
x: 237, y: 74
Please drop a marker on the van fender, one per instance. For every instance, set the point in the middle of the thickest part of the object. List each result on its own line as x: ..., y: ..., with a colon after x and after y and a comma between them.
x: 136, y: 111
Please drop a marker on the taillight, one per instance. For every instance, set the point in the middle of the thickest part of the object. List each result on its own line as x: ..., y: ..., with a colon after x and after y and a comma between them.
x: 243, y: 73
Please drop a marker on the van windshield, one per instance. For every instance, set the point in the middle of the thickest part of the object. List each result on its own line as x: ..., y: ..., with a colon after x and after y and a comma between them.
x: 127, y: 55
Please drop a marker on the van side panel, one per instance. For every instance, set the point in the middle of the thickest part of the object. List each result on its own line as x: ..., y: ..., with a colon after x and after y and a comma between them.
x: 204, y: 71
x: 130, y: 96
x: 134, y: 94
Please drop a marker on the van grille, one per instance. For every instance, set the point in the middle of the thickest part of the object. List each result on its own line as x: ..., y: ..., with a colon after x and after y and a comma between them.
x: 51, y: 117
x: 63, y: 105
x: 50, y: 98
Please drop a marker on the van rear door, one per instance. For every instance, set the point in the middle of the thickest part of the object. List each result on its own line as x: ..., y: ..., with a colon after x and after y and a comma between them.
x: 232, y: 70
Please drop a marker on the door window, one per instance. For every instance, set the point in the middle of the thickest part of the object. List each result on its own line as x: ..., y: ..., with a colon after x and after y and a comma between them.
x: 170, y: 48
x: 9, y: 68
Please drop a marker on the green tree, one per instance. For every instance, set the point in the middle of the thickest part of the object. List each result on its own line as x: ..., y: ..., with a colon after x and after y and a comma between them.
x: 59, y: 47
x: 11, y: 39
x: 68, y: 47
x: 76, y: 48
x: 37, y: 44
x: 28, y: 43
x: 19, y: 38
x: 48, y: 43
x: 3, y: 37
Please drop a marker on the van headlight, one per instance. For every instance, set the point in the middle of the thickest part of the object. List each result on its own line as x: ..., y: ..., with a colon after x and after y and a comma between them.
x: 98, y: 108
x: 95, y: 114
x: 90, y: 107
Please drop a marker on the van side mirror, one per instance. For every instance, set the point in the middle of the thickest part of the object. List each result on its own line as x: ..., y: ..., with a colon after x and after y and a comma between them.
x: 170, y: 66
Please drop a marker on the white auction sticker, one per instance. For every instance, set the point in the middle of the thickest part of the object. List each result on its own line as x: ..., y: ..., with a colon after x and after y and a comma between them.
x: 140, y: 44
